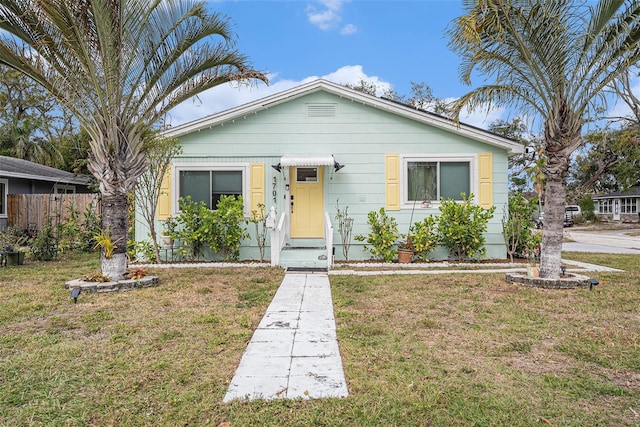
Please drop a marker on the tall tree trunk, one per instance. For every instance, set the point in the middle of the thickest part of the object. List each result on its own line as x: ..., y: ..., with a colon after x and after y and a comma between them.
x: 555, y: 196
x: 115, y: 220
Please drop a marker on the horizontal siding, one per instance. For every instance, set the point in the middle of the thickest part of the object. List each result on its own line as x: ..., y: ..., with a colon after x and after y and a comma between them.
x: 358, y: 137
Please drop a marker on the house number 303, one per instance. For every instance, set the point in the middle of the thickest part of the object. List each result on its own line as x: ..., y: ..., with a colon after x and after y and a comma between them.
x: 274, y: 192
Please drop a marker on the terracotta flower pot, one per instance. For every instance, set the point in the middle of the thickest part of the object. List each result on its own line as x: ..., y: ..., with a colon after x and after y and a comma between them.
x: 405, y: 255
x: 533, y: 271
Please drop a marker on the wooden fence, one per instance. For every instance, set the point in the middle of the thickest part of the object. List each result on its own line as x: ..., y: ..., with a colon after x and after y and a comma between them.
x: 24, y: 210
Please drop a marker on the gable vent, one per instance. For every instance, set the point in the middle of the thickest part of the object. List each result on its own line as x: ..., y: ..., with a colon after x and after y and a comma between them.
x: 321, y: 110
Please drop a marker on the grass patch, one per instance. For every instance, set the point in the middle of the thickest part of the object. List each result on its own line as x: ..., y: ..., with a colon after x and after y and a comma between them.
x: 418, y: 350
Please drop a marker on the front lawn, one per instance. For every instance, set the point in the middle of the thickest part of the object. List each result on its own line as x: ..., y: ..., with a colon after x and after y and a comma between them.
x: 418, y: 350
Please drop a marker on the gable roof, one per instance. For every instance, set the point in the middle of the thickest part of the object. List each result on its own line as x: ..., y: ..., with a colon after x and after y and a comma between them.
x: 17, y: 168
x: 394, y: 107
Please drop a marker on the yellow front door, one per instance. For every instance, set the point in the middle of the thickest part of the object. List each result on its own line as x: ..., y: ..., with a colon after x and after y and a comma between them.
x: 307, y: 202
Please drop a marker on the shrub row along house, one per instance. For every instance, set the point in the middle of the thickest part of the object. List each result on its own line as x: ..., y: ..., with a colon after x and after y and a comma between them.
x: 312, y: 148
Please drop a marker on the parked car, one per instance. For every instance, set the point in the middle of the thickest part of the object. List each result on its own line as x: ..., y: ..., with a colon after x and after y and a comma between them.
x: 573, y: 210
x: 568, y: 220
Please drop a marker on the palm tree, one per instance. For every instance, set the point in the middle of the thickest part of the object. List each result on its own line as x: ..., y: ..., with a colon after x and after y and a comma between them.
x: 553, y: 59
x: 119, y: 66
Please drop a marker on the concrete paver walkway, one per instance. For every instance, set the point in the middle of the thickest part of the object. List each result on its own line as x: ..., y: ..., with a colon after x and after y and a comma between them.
x: 294, y: 351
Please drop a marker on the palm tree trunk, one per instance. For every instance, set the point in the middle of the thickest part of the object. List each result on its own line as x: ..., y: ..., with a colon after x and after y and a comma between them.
x: 554, y: 203
x: 115, y: 220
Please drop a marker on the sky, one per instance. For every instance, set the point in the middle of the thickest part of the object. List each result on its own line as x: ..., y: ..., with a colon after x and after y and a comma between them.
x: 390, y: 43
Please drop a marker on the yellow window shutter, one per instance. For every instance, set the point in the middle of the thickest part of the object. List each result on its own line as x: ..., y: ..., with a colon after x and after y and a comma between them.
x: 257, y: 186
x: 485, y: 180
x: 164, y: 198
x: 392, y: 181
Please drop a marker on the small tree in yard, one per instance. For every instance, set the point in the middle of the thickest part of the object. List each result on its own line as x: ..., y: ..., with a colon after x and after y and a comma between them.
x: 345, y: 226
x: 552, y: 60
x: 119, y: 67
x: 461, y: 227
x: 516, y: 225
x: 259, y: 219
x: 147, y: 190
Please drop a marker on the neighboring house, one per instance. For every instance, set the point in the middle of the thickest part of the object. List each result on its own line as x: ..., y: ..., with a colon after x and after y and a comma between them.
x: 619, y: 206
x: 306, y: 150
x: 19, y: 176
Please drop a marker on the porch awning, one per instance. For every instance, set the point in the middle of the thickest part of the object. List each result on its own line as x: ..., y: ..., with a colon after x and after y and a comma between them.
x: 307, y: 160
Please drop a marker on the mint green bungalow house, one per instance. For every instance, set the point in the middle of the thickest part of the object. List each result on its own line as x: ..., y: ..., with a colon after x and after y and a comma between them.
x: 304, y: 151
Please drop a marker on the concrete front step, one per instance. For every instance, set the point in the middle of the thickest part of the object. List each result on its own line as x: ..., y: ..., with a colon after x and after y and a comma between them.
x: 296, y: 257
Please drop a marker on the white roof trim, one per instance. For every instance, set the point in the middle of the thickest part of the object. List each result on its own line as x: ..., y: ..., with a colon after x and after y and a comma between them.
x: 307, y: 160
x: 254, y: 107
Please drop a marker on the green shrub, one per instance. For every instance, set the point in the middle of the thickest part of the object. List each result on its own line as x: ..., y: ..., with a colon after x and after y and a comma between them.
x: 461, y: 226
x: 44, y: 247
x: 221, y: 229
x: 424, y: 237
x: 587, y: 208
x: 141, y: 251
x: 227, y: 229
x: 382, y: 236
x: 516, y: 225
x: 190, y: 227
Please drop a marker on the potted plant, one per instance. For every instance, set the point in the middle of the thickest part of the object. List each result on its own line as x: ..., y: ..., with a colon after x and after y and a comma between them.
x: 13, y: 255
x: 168, y: 231
x: 10, y: 241
x: 405, y: 250
x: 532, y: 252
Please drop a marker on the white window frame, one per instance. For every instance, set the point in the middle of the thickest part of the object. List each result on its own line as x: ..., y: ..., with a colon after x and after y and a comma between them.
x: 5, y: 182
x: 472, y: 159
x: 605, y: 206
x: 65, y: 187
x: 628, y: 205
x: 207, y: 167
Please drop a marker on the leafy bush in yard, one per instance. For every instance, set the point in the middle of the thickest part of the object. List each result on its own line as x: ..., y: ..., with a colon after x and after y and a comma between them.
x: 190, y: 227
x: 424, y: 237
x: 587, y: 208
x: 221, y: 229
x: 517, y: 225
x: 44, y: 247
x: 461, y: 226
x: 382, y: 237
x: 227, y: 230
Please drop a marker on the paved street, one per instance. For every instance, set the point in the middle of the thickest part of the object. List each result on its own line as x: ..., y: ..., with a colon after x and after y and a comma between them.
x: 605, y: 241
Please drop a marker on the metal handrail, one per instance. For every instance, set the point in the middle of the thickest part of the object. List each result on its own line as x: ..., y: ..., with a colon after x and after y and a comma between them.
x: 328, y: 236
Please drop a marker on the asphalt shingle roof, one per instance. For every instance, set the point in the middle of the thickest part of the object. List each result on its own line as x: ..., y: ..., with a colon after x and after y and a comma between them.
x: 18, y: 168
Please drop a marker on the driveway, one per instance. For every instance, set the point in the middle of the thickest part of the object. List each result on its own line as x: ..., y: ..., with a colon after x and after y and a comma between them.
x: 603, y: 241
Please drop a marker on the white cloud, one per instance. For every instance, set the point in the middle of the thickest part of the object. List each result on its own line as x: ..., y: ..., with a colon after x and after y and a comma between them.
x: 482, y: 118
x: 228, y: 96
x: 620, y: 108
x: 348, y: 29
x: 327, y: 16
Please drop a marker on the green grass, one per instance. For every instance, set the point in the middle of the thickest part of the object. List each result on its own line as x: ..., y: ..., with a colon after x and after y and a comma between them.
x: 418, y: 350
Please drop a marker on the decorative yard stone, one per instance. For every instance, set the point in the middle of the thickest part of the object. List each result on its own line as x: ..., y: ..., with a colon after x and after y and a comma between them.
x: 569, y: 281
x: 113, y: 286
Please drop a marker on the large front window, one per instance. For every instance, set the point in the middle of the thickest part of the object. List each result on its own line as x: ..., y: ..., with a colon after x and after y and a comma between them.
x: 435, y: 179
x: 210, y: 184
x: 605, y: 206
x: 628, y: 205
